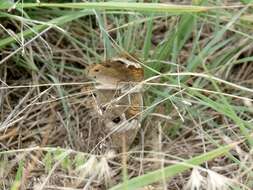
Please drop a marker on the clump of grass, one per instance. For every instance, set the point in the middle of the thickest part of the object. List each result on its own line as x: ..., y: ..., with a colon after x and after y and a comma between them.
x: 198, y: 94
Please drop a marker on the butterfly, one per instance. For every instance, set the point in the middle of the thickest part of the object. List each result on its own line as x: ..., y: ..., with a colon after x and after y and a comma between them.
x: 119, y: 107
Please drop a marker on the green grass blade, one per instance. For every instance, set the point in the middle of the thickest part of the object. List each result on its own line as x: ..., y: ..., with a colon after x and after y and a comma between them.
x: 106, y: 40
x: 173, y: 170
x: 141, y: 7
x: 147, y: 42
x: 18, y: 179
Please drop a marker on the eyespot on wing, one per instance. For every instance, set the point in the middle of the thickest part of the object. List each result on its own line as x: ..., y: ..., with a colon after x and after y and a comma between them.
x: 93, y: 70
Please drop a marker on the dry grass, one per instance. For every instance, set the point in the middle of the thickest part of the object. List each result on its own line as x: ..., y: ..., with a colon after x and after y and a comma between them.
x: 50, y: 138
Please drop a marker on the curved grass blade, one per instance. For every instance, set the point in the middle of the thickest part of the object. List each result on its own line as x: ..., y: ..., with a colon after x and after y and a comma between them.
x: 173, y: 170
